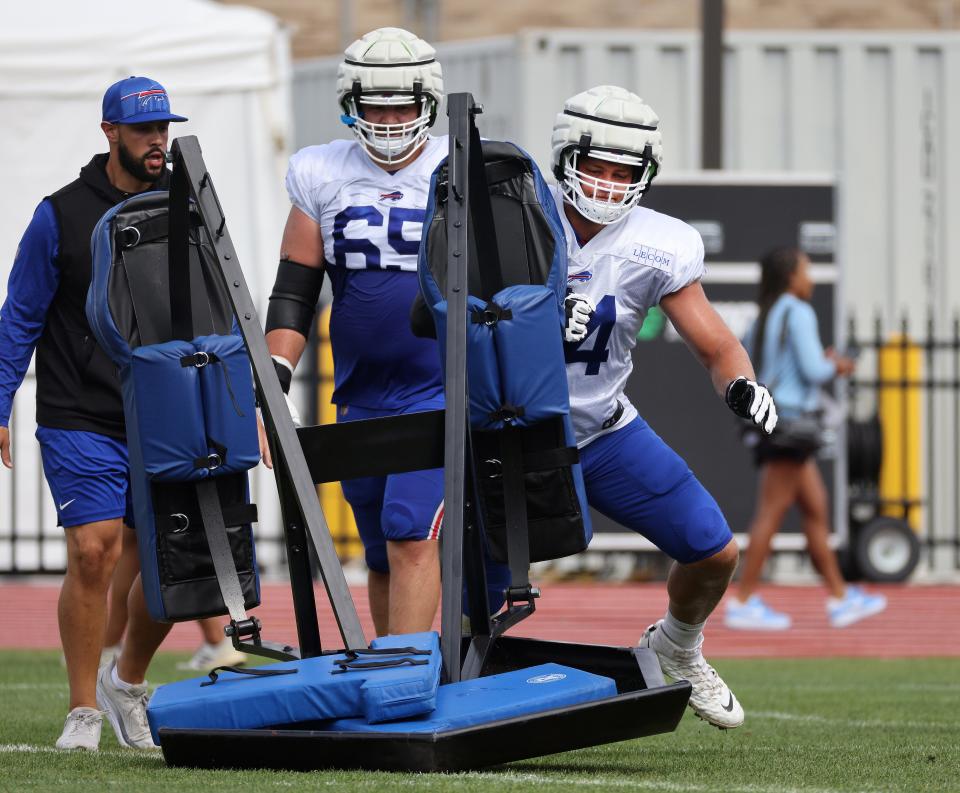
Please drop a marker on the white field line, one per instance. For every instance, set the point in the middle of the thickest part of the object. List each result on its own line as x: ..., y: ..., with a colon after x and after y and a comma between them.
x: 29, y: 748
x: 884, y: 724
x: 433, y: 780
x: 854, y: 686
x: 33, y: 686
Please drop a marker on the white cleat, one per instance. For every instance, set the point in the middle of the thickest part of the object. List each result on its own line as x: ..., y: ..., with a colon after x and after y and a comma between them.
x: 855, y: 605
x: 126, y: 710
x: 710, y: 698
x: 210, y: 656
x: 81, y: 730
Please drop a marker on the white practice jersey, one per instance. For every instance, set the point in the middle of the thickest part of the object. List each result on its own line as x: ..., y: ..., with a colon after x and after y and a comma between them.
x: 625, y: 269
x: 370, y: 219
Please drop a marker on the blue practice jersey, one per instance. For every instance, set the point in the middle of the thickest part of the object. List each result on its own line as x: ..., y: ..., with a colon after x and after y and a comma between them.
x: 371, y: 223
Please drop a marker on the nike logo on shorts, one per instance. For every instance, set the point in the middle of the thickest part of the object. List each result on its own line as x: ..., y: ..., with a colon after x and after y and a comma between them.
x: 66, y: 504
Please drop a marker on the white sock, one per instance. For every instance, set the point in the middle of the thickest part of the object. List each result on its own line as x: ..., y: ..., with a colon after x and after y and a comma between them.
x: 121, y: 684
x: 682, y: 634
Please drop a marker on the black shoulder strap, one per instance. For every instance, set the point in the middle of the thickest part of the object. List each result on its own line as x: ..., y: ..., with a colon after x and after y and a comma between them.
x: 515, y: 507
x: 481, y: 213
x: 178, y: 241
x: 224, y: 565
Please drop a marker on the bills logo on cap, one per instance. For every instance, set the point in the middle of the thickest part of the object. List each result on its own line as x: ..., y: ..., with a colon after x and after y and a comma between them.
x: 396, y: 195
x: 137, y: 100
x: 149, y: 100
x: 580, y: 278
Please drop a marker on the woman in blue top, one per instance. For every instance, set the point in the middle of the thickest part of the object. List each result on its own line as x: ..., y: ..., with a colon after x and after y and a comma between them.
x: 789, y: 357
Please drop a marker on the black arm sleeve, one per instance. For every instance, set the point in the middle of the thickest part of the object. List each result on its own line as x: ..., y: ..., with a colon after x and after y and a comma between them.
x: 294, y: 297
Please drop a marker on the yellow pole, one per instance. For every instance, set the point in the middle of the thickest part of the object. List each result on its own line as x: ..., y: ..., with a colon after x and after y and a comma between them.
x: 899, y: 409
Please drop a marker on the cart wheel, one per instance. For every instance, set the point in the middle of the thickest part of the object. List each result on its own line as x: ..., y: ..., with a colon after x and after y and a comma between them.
x: 886, y: 550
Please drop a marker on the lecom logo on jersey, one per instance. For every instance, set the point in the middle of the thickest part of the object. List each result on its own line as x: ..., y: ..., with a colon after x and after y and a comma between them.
x: 652, y: 257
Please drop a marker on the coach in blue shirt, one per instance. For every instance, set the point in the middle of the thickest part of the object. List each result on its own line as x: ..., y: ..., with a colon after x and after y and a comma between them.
x: 79, y: 408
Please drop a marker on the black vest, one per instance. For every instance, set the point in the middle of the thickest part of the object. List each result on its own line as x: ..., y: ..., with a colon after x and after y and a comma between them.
x: 77, y: 384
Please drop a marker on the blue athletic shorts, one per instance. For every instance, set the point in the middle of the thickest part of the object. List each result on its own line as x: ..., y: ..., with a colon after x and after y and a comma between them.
x: 88, y: 474
x: 405, y: 506
x: 634, y: 478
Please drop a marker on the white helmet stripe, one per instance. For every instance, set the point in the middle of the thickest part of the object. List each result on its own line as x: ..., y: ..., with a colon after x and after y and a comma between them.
x: 390, y: 65
x: 651, y: 128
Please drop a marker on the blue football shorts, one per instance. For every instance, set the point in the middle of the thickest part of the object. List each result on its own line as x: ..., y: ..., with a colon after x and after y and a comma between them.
x: 88, y: 475
x: 406, y: 506
x: 634, y: 478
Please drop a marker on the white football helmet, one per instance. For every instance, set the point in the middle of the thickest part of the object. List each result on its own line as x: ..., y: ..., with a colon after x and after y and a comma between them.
x: 612, y: 124
x: 390, y: 66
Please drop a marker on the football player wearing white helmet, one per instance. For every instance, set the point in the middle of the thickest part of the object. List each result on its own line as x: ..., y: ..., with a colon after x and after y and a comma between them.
x: 358, y: 208
x: 390, y: 87
x: 623, y: 259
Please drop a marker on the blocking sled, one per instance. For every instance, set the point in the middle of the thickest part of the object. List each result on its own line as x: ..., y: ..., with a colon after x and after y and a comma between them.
x: 513, y: 490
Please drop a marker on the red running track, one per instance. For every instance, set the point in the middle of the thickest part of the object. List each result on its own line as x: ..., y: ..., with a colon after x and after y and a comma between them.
x: 919, y: 621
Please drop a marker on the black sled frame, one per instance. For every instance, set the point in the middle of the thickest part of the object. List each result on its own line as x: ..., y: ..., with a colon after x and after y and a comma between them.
x: 302, y: 458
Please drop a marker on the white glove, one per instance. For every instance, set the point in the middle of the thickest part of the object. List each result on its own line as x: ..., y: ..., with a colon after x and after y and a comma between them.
x: 751, y: 400
x: 579, y: 308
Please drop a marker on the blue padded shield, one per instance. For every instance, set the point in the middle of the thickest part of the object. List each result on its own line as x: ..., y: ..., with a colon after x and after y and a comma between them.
x: 502, y: 357
x: 229, y: 407
x: 187, y: 417
x: 496, y: 697
x: 318, y: 688
x: 170, y: 420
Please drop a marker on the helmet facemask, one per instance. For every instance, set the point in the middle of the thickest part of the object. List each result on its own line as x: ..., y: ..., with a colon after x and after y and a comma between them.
x: 600, y: 200
x: 389, y: 144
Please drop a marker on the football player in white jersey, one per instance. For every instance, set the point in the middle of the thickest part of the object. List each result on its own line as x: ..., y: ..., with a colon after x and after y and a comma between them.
x: 623, y: 259
x: 358, y: 208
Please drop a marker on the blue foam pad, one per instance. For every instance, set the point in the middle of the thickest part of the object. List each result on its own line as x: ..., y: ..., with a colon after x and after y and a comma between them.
x: 169, y: 412
x: 503, y: 696
x: 229, y: 411
x: 317, y: 690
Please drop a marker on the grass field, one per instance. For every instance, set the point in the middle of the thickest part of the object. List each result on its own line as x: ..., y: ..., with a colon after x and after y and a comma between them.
x: 812, y: 725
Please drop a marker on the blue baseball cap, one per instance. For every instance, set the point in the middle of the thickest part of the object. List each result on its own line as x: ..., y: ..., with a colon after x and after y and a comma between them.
x: 137, y: 100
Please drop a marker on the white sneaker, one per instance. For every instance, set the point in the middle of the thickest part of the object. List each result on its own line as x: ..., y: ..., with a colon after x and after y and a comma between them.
x: 754, y: 615
x: 126, y: 709
x: 210, y: 656
x: 710, y: 698
x: 107, y: 654
x: 81, y: 730
x: 855, y: 605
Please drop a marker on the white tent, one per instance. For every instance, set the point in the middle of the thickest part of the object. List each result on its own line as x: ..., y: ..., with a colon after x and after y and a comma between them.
x: 226, y: 68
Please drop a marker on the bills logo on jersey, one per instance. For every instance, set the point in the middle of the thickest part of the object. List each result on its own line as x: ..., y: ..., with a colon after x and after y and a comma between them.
x: 386, y: 198
x: 579, y: 278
